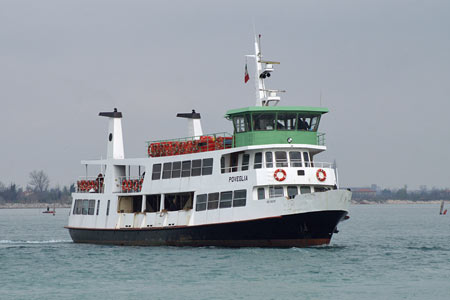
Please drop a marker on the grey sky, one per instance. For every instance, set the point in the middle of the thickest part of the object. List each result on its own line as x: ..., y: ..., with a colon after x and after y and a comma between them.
x: 383, y: 68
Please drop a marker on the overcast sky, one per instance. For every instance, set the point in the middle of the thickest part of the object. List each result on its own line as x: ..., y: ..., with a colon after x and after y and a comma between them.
x: 383, y: 68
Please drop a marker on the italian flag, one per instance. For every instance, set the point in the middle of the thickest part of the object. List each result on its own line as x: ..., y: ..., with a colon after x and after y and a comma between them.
x: 246, y: 77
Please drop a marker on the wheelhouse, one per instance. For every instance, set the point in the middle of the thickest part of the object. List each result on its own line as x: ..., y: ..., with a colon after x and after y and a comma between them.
x: 262, y: 125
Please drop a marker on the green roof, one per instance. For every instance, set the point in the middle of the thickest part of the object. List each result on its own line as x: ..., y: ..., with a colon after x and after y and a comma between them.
x: 321, y: 110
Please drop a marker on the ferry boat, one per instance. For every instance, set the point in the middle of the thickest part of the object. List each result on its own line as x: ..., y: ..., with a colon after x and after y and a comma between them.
x: 260, y: 186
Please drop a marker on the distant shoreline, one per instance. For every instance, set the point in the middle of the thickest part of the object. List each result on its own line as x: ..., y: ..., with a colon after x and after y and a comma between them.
x: 393, y: 201
x: 63, y: 205
x: 33, y: 205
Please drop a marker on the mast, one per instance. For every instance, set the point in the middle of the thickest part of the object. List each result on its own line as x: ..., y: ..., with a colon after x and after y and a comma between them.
x: 263, y: 70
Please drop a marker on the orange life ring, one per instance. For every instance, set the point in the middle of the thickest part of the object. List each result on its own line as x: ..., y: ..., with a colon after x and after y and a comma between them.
x: 276, y: 175
x: 321, y: 175
x: 149, y: 150
x: 124, y: 185
x: 130, y: 185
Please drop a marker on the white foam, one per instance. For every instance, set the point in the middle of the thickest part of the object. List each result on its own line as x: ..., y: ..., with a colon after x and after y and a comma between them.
x: 34, y: 242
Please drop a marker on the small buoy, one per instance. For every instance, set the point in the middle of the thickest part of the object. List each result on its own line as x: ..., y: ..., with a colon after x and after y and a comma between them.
x: 445, y: 212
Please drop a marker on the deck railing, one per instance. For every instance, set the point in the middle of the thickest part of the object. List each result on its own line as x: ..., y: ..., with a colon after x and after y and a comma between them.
x: 192, y: 144
x: 90, y: 184
x: 130, y: 184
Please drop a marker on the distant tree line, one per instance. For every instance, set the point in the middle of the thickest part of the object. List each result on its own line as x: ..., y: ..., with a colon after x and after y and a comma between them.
x: 37, y: 191
x: 385, y: 194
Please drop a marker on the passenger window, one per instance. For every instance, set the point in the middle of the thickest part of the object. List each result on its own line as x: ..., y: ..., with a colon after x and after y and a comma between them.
x: 176, y: 169
x: 269, y: 160
x: 186, y: 168
x: 286, y: 121
x: 296, y: 158
x: 276, y: 191
x: 258, y: 161
x: 201, y: 202
x: 213, y: 201
x: 318, y: 189
x: 98, y: 206
x: 107, y: 208
x: 222, y: 164
x: 156, y: 174
x: 306, y: 158
x: 196, y: 167
x: 263, y: 121
x: 207, y: 166
x: 245, y: 162
x: 261, y: 193
x: 225, y: 199
x: 292, y: 191
x: 167, y: 170
x: 305, y: 190
x: 239, y: 198
x: 85, y: 207
x: 281, y: 159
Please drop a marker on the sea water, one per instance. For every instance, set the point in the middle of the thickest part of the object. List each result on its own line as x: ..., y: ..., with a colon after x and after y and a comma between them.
x: 381, y: 252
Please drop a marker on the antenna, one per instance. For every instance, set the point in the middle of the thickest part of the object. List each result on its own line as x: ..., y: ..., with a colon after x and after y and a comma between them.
x: 263, y: 70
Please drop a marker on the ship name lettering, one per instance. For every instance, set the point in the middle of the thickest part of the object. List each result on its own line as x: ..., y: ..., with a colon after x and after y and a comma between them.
x: 237, y: 178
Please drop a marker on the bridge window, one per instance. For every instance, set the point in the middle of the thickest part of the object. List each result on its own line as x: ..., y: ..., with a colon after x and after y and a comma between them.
x: 239, y: 198
x: 213, y: 201
x: 269, y: 160
x: 258, y: 161
x: 296, y: 158
x: 264, y: 121
x: 242, y: 123
x: 281, y: 159
x: 201, y: 202
x: 225, y: 199
x: 286, y: 121
x: 156, y: 174
x: 308, y: 122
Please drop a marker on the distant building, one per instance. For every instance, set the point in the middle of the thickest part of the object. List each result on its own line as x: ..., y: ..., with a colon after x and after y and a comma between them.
x: 363, y: 193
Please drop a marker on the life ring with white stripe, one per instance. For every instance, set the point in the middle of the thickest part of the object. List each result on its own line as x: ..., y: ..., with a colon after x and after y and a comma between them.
x: 279, y: 175
x: 321, y: 175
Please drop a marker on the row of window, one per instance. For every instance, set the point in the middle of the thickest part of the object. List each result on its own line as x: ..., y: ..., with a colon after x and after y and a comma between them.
x: 279, y: 159
x: 272, y: 121
x: 289, y: 191
x: 187, y: 168
x: 87, y: 207
x: 221, y: 200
